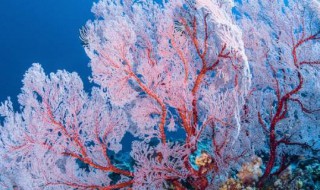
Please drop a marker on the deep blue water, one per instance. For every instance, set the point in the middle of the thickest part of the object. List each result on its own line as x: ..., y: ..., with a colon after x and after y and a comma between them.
x: 44, y: 31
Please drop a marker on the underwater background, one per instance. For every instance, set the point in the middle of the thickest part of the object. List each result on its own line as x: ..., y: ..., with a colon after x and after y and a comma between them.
x: 45, y: 32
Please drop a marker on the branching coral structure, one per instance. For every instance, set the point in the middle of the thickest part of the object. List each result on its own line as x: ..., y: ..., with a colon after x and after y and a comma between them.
x: 189, y: 94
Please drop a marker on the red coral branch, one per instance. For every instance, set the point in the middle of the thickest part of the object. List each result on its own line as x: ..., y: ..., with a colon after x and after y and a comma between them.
x: 310, y: 63
x: 281, y: 111
x: 302, y: 106
x: 84, y: 186
x: 262, y: 123
x: 159, y: 101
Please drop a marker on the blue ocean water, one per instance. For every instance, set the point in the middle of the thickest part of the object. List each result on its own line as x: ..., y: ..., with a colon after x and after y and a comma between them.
x: 41, y: 31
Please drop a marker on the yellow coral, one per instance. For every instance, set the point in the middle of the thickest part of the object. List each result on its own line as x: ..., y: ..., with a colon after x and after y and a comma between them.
x: 231, y: 184
x: 203, y: 160
x: 250, y: 172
